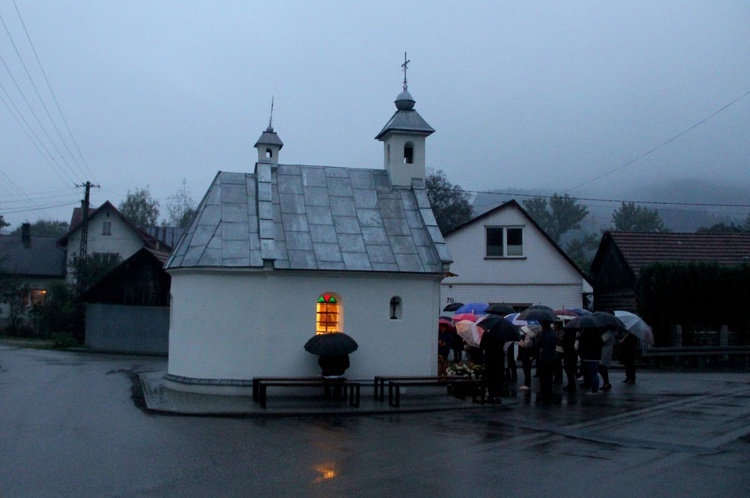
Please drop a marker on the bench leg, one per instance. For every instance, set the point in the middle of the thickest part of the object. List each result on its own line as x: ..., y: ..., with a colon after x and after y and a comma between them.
x: 262, y: 395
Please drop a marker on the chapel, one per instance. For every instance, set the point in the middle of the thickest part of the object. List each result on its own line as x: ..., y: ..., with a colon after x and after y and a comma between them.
x: 284, y: 251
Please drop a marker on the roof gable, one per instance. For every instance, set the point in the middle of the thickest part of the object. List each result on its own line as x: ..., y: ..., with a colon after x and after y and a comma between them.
x: 296, y: 217
x: 640, y: 248
x: 149, y: 240
x: 514, y: 205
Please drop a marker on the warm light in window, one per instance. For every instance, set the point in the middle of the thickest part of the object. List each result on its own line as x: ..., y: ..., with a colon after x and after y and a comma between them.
x: 327, y: 471
x: 327, y: 314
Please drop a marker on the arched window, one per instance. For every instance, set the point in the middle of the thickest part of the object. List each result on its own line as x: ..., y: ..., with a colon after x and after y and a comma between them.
x: 328, y: 317
x: 269, y: 153
x: 396, y: 310
x: 409, y: 153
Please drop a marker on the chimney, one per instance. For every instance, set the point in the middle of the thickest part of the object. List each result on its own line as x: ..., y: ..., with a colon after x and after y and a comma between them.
x: 26, y: 235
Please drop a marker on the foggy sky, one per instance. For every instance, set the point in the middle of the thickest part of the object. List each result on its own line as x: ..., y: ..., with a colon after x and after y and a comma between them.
x: 545, y: 95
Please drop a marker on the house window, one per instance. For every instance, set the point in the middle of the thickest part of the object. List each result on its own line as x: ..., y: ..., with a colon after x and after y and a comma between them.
x: 409, y: 153
x: 396, y: 310
x: 34, y: 297
x: 106, y: 258
x: 107, y: 228
x: 328, y: 317
x: 504, y: 242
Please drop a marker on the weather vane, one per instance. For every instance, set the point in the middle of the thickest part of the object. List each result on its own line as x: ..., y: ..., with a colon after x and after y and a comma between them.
x: 405, y: 66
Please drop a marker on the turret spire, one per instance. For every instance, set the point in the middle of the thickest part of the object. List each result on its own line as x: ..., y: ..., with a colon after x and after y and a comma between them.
x: 405, y: 65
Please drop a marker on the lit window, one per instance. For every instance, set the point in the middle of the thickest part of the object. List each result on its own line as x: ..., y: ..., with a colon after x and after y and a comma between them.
x: 504, y: 242
x: 328, y: 313
x: 35, y: 297
x: 107, y: 228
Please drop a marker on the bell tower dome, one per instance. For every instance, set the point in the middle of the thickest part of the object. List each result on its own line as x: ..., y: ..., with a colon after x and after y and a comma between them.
x: 403, y: 139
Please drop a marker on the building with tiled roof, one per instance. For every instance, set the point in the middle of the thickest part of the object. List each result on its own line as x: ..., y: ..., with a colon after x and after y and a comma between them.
x: 621, y: 255
x: 33, y: 263
x: 504, y: 256
x: 281, y: 253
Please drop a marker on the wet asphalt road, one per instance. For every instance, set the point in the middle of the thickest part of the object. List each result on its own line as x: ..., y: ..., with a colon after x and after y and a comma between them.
x: 68, y: 427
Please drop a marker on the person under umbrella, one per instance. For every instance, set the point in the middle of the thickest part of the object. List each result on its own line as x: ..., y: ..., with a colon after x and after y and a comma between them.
x: 333, y: 349
x: 527, y: 351
x: 497, y: 332
x: 590, y: 350
x: 446, y: 331
x: 613, y: 324
x: 547, y: 359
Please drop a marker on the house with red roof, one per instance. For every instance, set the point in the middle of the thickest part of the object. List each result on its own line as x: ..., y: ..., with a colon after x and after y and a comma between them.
x: 621, y: 255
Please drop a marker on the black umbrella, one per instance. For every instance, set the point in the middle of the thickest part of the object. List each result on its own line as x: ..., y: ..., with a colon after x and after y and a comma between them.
x: 331, y: 344
x: 502, y: 330
x: 453, y: 306
x: 539, y: 314
x: 488, y: 321
x: 500, y: 309
x: 584, y: 322
x: 609, y: 320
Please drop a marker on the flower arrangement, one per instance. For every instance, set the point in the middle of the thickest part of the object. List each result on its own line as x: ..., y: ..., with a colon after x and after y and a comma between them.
x: 470, y: 370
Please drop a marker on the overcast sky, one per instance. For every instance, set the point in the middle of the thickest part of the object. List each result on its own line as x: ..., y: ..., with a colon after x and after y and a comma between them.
x: 521, y: 94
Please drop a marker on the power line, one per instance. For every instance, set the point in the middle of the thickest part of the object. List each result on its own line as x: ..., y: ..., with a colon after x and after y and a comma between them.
x: 52, y: 93
x: 662, y: 144
x: 617, y: 201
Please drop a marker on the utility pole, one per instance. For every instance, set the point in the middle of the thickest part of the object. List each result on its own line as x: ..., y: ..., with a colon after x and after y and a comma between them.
x: 81, y: 274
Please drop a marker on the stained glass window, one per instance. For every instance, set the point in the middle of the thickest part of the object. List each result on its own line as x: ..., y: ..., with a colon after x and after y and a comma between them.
x: 328, y: 309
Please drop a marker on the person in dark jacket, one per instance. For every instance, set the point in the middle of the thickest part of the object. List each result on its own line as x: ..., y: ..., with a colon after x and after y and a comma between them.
x: 494, y: 366
x: 570, y: 358
x: 445, y: 340
x: 333, y: 368
x: 547, y: 359
x: 590, y: 349
x: 628, y: 345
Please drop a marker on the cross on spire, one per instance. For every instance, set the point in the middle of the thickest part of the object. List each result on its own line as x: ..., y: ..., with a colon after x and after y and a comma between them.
x: 270, y: 119
x: 405, y: 65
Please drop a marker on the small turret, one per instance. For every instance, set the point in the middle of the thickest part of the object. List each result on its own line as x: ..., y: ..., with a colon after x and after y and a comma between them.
x: 403, y: 140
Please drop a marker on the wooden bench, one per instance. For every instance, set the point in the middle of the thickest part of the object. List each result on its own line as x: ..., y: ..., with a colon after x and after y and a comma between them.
x: 382, y: 380
x: 474, y: 386
x: 258, y: 380
x: 351, y: 389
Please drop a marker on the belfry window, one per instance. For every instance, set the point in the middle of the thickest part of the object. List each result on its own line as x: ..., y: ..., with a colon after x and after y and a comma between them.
x: 409, y: 153
x: 269, y: 153
x: 328, y: 314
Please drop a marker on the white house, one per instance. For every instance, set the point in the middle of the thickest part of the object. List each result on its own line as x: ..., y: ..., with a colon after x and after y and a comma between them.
x: 279, y: 254
x: 111, y: 237
x: 503, y: 256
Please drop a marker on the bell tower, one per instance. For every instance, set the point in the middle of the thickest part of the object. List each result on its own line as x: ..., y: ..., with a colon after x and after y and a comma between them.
x: 404, y: 138
x: 269, y: 144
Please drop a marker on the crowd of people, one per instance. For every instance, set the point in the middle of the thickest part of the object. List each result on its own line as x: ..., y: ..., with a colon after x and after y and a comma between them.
x: 579, y: 357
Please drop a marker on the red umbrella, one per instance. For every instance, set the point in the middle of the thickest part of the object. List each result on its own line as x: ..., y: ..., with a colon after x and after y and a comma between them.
x: 466, y: 316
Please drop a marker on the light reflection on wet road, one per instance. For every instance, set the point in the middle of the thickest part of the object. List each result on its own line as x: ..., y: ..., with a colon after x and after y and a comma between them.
x: 68, y: 427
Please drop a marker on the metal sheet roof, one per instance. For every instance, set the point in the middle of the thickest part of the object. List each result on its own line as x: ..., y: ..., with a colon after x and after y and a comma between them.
x: 313, y: 218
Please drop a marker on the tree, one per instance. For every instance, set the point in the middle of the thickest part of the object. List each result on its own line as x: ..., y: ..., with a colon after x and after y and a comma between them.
x: 632, y: 218
x: 582, y: 250
x: 558, y: 216
x: 181, y: 207
x: 46, y: 228
x: 140, y: 208
x: 12, y: 291
x: 722, y: 228
x: 450, y: 203
x: 3, y: 223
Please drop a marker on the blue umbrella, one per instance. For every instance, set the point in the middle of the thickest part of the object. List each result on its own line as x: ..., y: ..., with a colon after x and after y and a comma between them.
x: 474, y: 308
